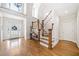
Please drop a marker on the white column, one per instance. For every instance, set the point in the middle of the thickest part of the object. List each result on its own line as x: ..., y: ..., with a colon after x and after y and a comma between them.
x: 29, y: 19
x: 78, y: 28
x: 1, y: 28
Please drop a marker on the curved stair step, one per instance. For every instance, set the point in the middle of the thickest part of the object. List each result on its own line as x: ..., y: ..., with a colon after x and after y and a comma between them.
x: 46, y: 35
x: 43, y: 37
x: 45, y: 42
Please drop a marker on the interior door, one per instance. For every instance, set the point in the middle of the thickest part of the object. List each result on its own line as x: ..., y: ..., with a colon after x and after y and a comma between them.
x: 68, y: 30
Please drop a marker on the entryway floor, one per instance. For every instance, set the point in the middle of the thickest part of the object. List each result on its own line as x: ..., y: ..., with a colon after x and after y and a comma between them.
x: 29, y: 47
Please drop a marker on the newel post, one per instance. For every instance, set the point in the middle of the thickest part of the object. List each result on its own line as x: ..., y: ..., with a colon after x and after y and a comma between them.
x: 38, y: 23
x: 52, y: 25
x: 38, y: 30
x: 50, y: 39
x: 30, y: 32
x: 42, y: 27
x: 39, y: 34
x: 31, y: 27
x: 32, y: 24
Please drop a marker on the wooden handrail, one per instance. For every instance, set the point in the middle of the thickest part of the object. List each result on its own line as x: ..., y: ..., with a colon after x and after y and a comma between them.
x: 48, y: 21
x: 50, y: 39
x: 47, y: 15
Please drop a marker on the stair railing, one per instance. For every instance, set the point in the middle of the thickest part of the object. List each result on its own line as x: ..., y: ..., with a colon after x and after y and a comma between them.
x: 43, y: 24
x: 41, y: 28
x: 48, y: 15
x: 49, y: 33
x: 33, y: 28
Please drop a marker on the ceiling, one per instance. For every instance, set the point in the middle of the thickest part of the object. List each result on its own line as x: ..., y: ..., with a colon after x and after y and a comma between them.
x: 63, y: 9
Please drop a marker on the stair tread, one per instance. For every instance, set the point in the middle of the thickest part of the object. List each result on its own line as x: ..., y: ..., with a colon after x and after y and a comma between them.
x: 44, y: 38
x: 44, y: 42
x: 46, y: 35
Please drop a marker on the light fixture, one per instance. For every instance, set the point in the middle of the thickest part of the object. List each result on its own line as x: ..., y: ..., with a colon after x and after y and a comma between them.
x: 66, y: 12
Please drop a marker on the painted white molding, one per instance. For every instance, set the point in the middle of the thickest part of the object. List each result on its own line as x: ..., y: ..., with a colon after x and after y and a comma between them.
x: 9, y: 11
x: 11, y: 15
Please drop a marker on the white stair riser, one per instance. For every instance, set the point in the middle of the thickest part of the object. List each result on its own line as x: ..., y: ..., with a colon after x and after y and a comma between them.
x: 44, y: 44
x: 44, y: 40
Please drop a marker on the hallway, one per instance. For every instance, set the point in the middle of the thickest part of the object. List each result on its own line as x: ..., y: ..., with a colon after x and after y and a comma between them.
x: 21, y: 47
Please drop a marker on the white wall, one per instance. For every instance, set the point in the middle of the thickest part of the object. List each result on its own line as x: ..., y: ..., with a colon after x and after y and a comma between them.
x: 35, y: 9
x: 44, y: 10
x: 25, y: 8
x: 0, y: 27
x: 68, y: 28
x: 78, y: 28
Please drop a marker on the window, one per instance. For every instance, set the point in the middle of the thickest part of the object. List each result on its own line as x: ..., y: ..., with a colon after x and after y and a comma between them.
x: 17, y: 7
x: 35, y: 10
x: 14, y: 6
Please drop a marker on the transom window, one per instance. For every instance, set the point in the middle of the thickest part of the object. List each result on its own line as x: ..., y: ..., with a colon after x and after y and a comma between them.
x: 14, y: 6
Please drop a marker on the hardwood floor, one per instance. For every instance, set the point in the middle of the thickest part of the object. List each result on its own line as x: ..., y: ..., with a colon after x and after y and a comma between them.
x: 21, y: 47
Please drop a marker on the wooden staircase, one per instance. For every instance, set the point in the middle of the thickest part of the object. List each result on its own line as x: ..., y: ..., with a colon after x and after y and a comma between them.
x: 46, y: 40
x: 43, y: 36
